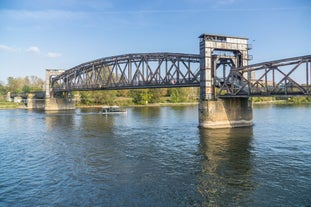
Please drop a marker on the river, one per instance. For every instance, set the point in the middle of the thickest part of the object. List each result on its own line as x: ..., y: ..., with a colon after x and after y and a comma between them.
x: 154, y: 156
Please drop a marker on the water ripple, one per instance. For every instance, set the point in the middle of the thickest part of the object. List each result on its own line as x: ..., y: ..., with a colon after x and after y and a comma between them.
x: 153, y: 156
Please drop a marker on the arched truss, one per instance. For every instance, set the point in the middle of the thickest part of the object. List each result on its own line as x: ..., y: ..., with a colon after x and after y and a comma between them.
x: 145, y: 70
x: 285, y: 77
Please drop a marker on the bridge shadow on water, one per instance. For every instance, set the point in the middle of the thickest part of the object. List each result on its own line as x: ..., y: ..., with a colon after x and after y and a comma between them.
x: 226, y: 176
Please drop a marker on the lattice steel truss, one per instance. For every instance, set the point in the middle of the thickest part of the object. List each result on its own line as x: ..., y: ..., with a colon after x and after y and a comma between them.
x: 146, y: 70
x: 285, y: 77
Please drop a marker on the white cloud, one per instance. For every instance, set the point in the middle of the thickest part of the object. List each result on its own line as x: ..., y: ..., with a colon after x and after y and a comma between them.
x: 33, y: 49
x: 8, y: 48
x: 54, y: 55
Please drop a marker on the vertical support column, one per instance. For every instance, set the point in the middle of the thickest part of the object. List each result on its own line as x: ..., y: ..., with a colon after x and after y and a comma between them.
x: 229, y: 112
x: 307, y: 76
x: 207, y: 90
x: 8, y: 97
x: 47, y: 83
x: 130, y: 75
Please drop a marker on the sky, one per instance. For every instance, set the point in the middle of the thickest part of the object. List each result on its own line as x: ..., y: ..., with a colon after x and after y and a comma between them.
x: 36, y: 35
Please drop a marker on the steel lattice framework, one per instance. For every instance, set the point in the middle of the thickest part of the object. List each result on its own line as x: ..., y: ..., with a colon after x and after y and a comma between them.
x: 285, y: 77
x: 145, y: 70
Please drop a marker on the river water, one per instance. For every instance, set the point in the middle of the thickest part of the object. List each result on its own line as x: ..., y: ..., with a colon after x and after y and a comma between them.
x: 154, y: 156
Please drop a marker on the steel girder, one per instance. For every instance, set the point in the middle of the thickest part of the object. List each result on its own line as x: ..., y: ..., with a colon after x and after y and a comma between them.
x: 285, y: 77
x: 144, y: 70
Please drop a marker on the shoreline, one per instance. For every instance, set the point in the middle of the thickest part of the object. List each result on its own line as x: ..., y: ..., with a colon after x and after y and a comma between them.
x: 278, y: 102
x: 147, y: 105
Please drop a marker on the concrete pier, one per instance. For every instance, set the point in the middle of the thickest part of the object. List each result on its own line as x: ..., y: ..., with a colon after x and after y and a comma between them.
x: 56, y: 104
x: 53, y: 103
x: 225, y: 113
x: 231, y: 52
x: 32, y: 102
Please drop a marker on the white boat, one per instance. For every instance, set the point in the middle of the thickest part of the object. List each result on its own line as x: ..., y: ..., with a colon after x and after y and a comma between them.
x: 113, y: 110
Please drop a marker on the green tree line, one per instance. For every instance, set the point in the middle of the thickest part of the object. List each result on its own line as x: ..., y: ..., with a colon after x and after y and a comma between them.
x: 21, y: 85
x: 137, y: 96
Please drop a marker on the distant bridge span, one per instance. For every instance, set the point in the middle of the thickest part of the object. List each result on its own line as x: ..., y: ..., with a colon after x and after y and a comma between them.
x: 285, y: 77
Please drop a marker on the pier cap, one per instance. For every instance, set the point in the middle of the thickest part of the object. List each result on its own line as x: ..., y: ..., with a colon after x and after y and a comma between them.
x: 220, y: 37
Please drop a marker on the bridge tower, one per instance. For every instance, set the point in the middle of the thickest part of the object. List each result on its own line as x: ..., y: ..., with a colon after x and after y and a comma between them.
x: 229, y: 52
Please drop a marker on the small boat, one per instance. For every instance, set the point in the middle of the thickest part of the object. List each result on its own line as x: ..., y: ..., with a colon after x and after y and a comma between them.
x: 113, y: 110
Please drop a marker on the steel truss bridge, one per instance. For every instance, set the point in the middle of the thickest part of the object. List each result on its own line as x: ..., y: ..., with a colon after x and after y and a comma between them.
x: 285, y: 77
x: 146, y: 70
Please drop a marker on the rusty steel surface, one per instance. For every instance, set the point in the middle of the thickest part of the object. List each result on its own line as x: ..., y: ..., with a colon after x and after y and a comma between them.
x: 144, y: 70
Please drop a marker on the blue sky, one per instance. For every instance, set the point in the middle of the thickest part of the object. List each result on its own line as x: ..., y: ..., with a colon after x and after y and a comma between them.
x: 59, y: 34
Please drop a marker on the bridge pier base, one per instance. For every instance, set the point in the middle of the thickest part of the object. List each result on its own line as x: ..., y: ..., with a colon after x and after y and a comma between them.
x: 33, y: 102
x: 56, y: 104
x: 225, y: 113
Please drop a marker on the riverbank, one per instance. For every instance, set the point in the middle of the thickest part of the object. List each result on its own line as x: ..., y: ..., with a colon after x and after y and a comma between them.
x: 282, y: 100
x: 10, y: 105
x: 146, y: 105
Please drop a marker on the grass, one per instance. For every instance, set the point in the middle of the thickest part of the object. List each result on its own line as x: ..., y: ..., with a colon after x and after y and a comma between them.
x: 9, y: 105
x: 273, y: 100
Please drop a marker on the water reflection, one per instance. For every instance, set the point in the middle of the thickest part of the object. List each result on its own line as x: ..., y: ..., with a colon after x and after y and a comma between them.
x: 88, y: 122
x: 147, y: 112
x: 226, y: 178
x: 53, y: 119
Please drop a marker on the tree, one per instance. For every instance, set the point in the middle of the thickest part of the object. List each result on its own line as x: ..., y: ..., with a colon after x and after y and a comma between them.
x: 122, y: 93
x: 174, y: 95
x: 85, y: 97
x: 141, y: 96
x: 178, y: 95
x: 156, y: 94
x: 105, y: 97
x: 97, y: 97
x: 35, y: 83
x: 26, y: 84
x: 3, y: 89
x: 26, y: 89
